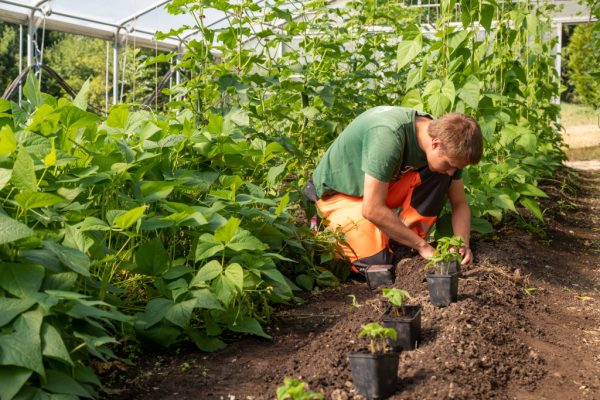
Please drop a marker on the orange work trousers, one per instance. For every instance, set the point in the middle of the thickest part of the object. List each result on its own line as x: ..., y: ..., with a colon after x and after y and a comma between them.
x: 420, y: 194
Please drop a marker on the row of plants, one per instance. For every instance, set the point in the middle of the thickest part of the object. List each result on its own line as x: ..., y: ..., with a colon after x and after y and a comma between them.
x: 168, y: 227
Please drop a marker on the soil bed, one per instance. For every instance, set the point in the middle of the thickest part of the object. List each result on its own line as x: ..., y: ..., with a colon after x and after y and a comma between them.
x: 498, y: 340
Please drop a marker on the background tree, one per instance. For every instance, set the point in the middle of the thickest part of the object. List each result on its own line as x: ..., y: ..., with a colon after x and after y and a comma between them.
x: 581, y: 61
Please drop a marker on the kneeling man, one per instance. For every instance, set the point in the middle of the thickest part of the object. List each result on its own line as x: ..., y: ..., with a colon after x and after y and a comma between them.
x: 396, y: 157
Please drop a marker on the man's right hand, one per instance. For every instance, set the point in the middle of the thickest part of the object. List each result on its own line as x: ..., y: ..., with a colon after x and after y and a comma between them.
x: 426, y: 250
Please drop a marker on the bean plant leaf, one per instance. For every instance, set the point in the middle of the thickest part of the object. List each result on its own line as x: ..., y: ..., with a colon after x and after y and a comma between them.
x: 505, y: 202
x: 30, y: 199
x: 248, y: 325
x: 274, y: 172
x: 8, y: 143
x: 117, y: 118
x: 152, y: 258
x: 415, y: 76
x: 408, y: 50
x: 226, y: 232
x: 80, y: 101
x: 305, y: 282
x: 53, y: 345
x: 23, y: 175
x: 530, y: 190
x: 127, y: 219
x: 23, y: 347
x: 206, y: 299
x: 12, y: 379
x: 31, y: 90
x: 235, y: 274
x: 481, y: 225
x: 21, y: 279
x: 204, y: 342
x: 60, y: 383
x: 11, y: 230
x: 243, y: 240
x: 207, y: 273
x: 72, y: 258
x: 180, y: 313
x: 207, y: 247
x: 469, y: 93
x: 10, y: 308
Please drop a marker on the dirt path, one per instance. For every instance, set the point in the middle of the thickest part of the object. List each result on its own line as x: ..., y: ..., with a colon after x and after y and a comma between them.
x: 498, y: 341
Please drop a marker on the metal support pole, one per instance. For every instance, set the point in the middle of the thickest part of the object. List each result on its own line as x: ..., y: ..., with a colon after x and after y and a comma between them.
x: 177, y: 75
x: 20, y: 60
x: 116, y: 47
x: 107, y: 67
x: 558, y: 60
x: 30, y: 40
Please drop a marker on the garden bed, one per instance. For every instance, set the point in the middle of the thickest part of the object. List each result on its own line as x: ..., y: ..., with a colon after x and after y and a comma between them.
x: 497, y: 341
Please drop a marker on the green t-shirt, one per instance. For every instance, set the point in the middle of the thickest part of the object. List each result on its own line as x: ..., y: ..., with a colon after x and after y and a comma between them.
x: 374, y: 143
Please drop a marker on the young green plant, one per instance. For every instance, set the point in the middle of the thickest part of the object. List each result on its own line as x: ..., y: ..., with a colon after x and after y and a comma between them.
x: 293, y: 389
x: 443, y: 255
x: 396, y: 297
x: 378, y: 335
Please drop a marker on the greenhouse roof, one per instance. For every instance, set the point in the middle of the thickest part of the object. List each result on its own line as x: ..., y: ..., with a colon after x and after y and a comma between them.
x: 135, y: 20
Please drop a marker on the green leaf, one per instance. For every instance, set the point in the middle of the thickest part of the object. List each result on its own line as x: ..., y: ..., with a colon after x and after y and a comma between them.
x: 147, y: 130
x: 152, y: 258
x: 30, y: 199
x: 155, y: 311
x: 469, y: 93
x: 53, y: 345
x: 529, y: 142
x: 481, y: 225
x: 11, y: 380
x: 4, y: 177
x: 93, y: 224
x: 21, y: 279
x: 223, y: 288
x: 415, y: 76
x: 72, y: 258
x: 206, y: 299
x: 531, y: 23
x: 487, y: 130
x: 127, y: 219
x: 80, y: 100
x: 408, y: 50
x: 530, y: 190
x: 31, y: 90
x: 23, y: 175
x: 438, y: 103
x: 180, y: 313
x: 305, y: 282
x: 57, y: 382
x: 327, y: 278
x: 159, y: 336
x: 226, y: 232
x: 274, y: 172
x: 204, y: 342
x: 207, y: 247
x: 449, y: 91
x: 327, y: 94
x: 11, y: 230
x: 310, y: 112
x: 207, y: 273
x: 434, y: 86
x: 235, y: 274
x: 505, y: 202
x: 7, y: 141
x: 244, y: 240
x: 248, y: 325
x: 117, y: 118
x: 487, y: 16
x: 23, y: 347
x: 532, y: 206
x: 284, y: 202
x: 10, y: 308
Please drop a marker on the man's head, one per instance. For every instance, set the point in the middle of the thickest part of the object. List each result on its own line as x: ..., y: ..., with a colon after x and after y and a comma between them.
x: 456, y: 141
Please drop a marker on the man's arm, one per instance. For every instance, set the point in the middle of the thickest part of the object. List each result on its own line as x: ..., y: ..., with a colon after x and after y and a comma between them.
x: 375, y: 210
x: 461, y: 217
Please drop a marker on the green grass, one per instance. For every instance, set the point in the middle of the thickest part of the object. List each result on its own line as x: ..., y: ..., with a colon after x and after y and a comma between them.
x: 583, y: 153
x: 577, y: 114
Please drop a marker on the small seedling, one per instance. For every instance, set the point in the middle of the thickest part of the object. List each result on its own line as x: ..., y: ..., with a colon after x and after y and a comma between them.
x: 529, y: 290
x: 293, y: 389
x: 443, y: 255
x: 378, y: 335
x: 185, y: 366
x: 396, y: 297
x: 354, y: 302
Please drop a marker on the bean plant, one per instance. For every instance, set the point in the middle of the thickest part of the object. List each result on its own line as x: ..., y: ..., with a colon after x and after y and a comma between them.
x: 396, y: 297
x: 443, y: 255
x: 378, y: 336
x: 293, y: 389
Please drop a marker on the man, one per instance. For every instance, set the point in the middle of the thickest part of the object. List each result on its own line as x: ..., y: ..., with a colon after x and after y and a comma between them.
x: 396, y: 157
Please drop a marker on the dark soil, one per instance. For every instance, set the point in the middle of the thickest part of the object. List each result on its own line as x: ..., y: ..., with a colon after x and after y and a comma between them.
x: 498, y: 341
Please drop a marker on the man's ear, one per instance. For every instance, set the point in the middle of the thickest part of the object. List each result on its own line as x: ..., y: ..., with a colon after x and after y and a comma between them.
x: 436, y: 144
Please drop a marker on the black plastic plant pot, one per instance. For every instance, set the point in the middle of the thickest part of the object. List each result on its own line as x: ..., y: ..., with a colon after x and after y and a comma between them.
x: 375, y: 376
x: 443, y: 289
x: 453, y: 268
x: 407, y: 327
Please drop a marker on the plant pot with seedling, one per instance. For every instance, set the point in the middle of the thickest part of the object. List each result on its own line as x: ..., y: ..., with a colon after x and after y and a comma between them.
x: 405, y: 320
x: 375, y: 372
x: 443, y: 282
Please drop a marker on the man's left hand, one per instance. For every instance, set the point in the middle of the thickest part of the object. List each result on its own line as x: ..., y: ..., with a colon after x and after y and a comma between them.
x: 467, y: 255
